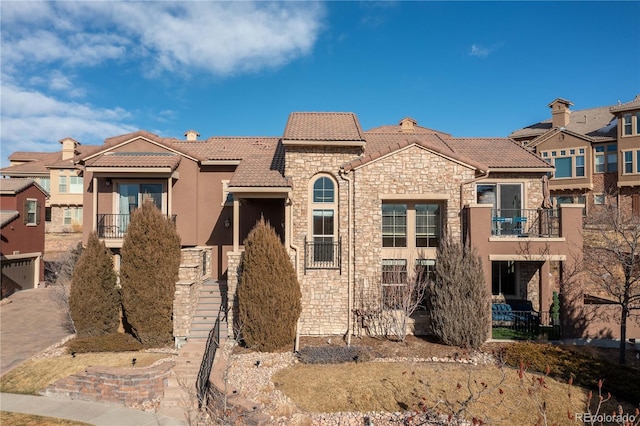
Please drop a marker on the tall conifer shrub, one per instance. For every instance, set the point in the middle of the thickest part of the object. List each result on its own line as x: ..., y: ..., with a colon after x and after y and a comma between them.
x: 94, y: 300
x: 148, y: 274
x: 458, y: 299
x: 269, y: 294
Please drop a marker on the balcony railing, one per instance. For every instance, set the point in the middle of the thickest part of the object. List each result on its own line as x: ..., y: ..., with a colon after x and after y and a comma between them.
x: 542, y: 223
x: 114, y: 226
x: 322, y: 254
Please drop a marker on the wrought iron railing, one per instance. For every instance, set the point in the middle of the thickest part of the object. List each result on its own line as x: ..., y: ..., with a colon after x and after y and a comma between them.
x: 525, y: 325
x: 323, y: 254
x: 525, y: 223
x: 213, y: 343
x: 114, y: 226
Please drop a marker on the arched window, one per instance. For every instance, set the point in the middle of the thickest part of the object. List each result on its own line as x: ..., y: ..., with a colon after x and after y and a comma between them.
x: 323, y: 218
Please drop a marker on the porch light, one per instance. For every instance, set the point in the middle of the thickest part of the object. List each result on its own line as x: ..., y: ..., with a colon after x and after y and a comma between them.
x: 227, y: 223
x: 108, y: 182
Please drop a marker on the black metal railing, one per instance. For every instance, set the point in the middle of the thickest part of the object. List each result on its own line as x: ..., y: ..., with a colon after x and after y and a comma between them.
x: 114, y: 226
x: 213, y: 343
x: 543, y: 223
x: 525, y: 325
x: 323, y: 253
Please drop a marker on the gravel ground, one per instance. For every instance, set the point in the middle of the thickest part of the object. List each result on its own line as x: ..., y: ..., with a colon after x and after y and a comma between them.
x: 250, y: 373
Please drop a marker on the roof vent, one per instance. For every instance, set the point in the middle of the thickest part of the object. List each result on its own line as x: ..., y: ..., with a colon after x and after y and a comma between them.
x: 191, y: 135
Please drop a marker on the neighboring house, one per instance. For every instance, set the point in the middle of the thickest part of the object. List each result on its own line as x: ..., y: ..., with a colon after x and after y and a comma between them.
x: 22, y: 205
x: 596, y: 153
x: 349, y: 205
x: 58, y: 175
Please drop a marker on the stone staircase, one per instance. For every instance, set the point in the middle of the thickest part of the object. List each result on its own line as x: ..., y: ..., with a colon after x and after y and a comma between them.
x: 180, y: 396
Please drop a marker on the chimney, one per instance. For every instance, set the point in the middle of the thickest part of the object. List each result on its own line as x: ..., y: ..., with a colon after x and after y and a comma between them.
x: 191, y: 135
x: 408, y: 125
x: 69, y: 148
x: 560, y: 113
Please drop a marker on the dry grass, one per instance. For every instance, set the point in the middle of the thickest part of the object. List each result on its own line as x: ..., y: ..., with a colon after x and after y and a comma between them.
x: 34, y: 375
x: 400, y: 386
x: 18, y: 419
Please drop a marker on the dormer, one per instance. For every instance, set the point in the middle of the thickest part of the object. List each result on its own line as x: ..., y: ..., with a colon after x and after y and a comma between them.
x: 191, y: 135
x: 69, y: 146
x: 560, y: 113
x: 408, y: 125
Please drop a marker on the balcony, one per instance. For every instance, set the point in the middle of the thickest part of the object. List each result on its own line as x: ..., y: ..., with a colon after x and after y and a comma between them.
x: 114, y: 226
x: 319, y: 254
x: 534, y: 223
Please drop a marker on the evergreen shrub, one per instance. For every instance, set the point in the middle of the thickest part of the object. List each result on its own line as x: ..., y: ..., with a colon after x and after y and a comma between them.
x: 268, y: 294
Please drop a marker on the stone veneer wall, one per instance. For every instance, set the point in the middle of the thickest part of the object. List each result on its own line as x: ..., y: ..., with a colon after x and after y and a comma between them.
x: 234, y: 259
x: 190, y: 279
x: 324, y: 291
x: 57, y: 221
x: 128, y: 386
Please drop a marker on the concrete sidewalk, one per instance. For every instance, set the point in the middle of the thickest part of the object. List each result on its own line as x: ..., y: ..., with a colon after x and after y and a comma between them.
x: 95, y: 413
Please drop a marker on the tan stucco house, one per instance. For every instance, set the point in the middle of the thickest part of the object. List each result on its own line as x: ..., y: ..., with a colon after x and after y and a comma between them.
x: 58, y: 175
x: 595, y: 151
x: 348, y: 204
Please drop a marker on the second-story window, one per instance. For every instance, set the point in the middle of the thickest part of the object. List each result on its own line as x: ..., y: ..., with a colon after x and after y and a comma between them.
x: 427, y: 225
x: 627, y: 124
x: 569, y: 163
x: 606, y: 158
x: 75, y: 184
x: 394, y: 225
x: 62, y: 184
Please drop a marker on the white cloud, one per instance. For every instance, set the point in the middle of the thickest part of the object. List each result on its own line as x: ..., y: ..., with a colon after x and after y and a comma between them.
x: 221, y: 38
x: 33, y: 121
x: 482, y: 51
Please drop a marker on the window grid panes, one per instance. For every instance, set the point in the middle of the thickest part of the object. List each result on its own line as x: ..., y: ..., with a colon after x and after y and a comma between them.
x: 75, y: 184
x: 62, y: 187
x: 323, y: 191
x: 427, y: 225
x: 580, y: 166
x: 628, y: 162
x: 32, y: 209
x: 627, y: 124
x: 394, y: 281
x: 394, y: 225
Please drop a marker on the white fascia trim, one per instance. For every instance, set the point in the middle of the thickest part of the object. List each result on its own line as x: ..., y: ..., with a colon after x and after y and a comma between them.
x: 32, y: 255
x: 259, y: 189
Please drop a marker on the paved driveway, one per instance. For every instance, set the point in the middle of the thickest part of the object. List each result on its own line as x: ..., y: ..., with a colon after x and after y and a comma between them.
x: 29, y: 324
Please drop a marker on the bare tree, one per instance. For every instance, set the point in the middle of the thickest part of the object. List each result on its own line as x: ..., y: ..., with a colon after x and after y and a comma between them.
x: 387, y: 302
x: 612, y: 262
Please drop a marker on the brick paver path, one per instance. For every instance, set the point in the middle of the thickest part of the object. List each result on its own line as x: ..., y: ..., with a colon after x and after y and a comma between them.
x: 29, y: 324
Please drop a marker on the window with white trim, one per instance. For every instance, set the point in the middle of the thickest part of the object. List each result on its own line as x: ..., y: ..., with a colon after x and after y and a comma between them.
x: 606, y: 158
x: 631, y: 162
x: 31, y: 212
x: 394, y: 282
x: 569, y: 163
x: 72, y: 216
x: 323, y: 219
x: 627, y: 125
x: 598, y: 199
x: 394, y: 225
x: 75, y: 185
x: 62, y: 184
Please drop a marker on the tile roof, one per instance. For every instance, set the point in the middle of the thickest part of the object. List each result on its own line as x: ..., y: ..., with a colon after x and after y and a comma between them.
x: 398, y: 129
x: 265, y: 170
x: 135, y: 160
x: 228, y: 148
x: 323, y: 126
x: 628, y: 106
x: 15, y: 185
x: 497, y: 153
x: 593, y: 122
x: 7, y: 216
x: 39, y: 162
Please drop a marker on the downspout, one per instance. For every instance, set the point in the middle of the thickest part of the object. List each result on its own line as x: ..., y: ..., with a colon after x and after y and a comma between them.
x: 288, y: 223
x: 350, y: 230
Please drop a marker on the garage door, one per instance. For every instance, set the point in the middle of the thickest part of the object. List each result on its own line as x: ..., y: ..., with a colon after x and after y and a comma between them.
x: 17, y: 274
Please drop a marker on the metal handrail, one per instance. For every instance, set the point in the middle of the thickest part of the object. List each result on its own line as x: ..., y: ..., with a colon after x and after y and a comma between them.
x: 525, y: 222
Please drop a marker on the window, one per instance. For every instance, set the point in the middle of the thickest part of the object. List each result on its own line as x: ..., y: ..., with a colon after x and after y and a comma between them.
x: 606, y: 158
x: 72, y: 216
x: 427, y: 225
x: 45, y: 183
x: 638, y: 161
x: 75, y: 184
x: 598, y: 199
x: 47, y: 214
x: 503, y: 278
x: 323, y: 249
x: 570, y: 199
x: 394, y: 225
x: 31, y: 216
x: 425, y: 269
x: 569, y: 165
x: 627, y: 125
x: 394, y: 281
x: 628, y: 161
x: 62, y: 184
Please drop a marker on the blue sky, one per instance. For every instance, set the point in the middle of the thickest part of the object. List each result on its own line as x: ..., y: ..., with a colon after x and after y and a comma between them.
x: 92, y: 70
